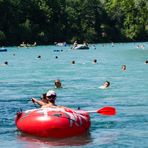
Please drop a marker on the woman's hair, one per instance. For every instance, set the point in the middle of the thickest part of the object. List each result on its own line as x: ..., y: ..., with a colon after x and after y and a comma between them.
x: 108, y: 83
x: 58, y: 83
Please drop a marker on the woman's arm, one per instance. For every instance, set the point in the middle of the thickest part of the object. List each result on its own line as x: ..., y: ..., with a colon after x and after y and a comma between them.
x: 41, y: 103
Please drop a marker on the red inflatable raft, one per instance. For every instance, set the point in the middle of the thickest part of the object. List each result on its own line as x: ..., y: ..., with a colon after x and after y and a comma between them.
x: 53, y: 122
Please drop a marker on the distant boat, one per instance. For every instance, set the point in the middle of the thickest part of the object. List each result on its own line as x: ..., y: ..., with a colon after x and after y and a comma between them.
x: 3, y: 49
x: 61, y: 44
x: 81, y: 46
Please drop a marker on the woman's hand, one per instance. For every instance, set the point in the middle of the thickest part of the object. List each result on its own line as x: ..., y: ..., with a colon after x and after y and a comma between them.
x: 33, y: 100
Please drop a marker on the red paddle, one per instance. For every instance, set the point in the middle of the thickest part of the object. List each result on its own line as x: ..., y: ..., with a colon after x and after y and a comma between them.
x: 108, y: 111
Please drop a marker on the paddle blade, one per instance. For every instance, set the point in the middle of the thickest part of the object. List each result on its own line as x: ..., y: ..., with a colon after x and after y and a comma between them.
x: 108, y: 111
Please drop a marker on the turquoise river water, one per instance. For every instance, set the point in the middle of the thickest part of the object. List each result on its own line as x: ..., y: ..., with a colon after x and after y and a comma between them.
x: 27, y: 76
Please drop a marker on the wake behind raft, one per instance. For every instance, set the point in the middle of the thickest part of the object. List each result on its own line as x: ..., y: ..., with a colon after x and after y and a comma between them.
x: 58, y: 122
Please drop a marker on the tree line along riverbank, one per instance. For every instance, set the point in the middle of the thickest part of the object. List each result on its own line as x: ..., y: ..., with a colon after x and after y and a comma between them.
x: 49, y: 21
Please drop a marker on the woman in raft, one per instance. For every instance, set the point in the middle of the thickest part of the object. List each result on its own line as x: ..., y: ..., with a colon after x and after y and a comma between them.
x: 47, y: 100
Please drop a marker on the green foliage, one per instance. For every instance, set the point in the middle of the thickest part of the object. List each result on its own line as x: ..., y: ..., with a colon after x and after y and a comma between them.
x: 25, y: 30
x: 47, y: 21
x: 130, y: 15
x: 2, y: 37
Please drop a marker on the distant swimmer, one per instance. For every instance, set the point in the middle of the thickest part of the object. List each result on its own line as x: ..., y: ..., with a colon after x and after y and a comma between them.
x: 146, y: 62
x: 39, y: 56
x: 142, y: 46
x: 112, y: 44
x: 4, y: 64
x: 58, y: 83
x: 105, y: 85
x: 94, y: 46
x: 123, y: 67
x: 95, y: 61
x: 73, y: 62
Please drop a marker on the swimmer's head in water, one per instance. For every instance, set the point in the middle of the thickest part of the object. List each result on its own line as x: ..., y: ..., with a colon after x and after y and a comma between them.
x: 123, y: 67
x: 73, y: 62
x: 106, y: 84
x: 6, y: 62
x: 58, y: 83
x: 39, y: 56
x: 95, y: 61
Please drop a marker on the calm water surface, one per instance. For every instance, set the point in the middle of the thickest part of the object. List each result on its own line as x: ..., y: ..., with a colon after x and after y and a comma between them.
x: 27, y: 76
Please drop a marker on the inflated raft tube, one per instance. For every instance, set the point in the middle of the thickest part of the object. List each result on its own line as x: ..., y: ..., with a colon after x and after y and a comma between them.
x: 57, y: 122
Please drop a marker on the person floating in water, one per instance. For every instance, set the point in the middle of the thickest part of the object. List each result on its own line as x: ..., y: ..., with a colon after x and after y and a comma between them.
x: 73, y: 62
x: 4, y: 64
x: 39, y: 56
x: 58, y: 83
x: 105, y: 85
x: 47, y: 100
x: 123, y: 67
x: 95, y: 61
x: 94, y: 46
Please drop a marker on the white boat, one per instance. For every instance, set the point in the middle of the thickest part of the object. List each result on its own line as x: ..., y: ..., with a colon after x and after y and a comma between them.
x: 81, y: 46
x: 61, y: 44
